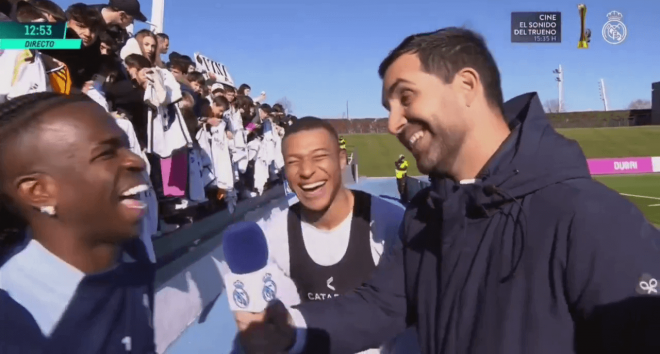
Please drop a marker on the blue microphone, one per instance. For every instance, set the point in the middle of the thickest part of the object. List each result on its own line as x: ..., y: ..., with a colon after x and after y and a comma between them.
x: 245, y: 247
x: 251, y: 285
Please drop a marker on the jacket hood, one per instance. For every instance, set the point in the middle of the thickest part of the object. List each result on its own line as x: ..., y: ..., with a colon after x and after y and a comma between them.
x: 534, y: 156
x: 132, y: 46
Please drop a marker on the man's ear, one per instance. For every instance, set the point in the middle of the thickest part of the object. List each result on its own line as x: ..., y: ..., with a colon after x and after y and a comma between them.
x: 467, y: 82
x: 342, y: 159
x: 36, y: 190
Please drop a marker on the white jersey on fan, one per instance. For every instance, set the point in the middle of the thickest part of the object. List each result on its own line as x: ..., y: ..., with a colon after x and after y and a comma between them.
x: 269, y: 160
x: 238, y: 145
x: 253, y: 148
x: 215, y: 144
x: 278, y: 158
x: 165, y: 126
x: 95, y: 92
x: 327, y: 248
x: 22, y: 72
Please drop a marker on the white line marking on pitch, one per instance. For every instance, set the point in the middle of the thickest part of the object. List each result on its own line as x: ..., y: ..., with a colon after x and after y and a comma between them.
x: 640, y: 196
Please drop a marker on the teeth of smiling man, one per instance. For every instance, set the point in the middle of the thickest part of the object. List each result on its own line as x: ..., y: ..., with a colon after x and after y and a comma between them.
x: 134, y: 204
x: 313, y: 185
x: 135, y: 190
x: 415, y: 137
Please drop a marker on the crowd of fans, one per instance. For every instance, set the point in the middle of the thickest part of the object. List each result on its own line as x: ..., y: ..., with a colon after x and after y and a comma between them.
x: 207, y: 144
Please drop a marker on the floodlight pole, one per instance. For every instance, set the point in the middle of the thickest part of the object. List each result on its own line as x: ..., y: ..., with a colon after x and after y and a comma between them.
x: 350, y: 128
x: 157, y: 16
x: 560, y: 86
x: 603, y: 94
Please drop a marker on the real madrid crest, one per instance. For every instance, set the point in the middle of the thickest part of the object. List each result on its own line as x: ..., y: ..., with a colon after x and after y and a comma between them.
x: 270, y: 288
x: 614, y: 31
x: 241, y: 298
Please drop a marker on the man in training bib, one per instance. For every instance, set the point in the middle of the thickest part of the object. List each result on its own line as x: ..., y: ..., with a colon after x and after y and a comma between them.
x: 330, y: 241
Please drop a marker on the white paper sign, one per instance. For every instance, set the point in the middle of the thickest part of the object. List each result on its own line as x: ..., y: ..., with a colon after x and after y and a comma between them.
x: 207, y: 65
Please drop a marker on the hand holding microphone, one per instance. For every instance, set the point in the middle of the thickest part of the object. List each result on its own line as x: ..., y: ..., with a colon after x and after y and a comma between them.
x: 251, y: 287
x: 267, y: 332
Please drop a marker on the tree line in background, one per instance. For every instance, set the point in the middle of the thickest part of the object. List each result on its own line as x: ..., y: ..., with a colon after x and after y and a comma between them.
x: 552, y: 106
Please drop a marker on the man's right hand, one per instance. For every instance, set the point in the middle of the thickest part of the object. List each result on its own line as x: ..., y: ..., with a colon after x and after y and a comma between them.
x: 268, y: 332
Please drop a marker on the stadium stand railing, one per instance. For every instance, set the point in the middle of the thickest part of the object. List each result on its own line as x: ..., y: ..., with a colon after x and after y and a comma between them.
x: 181, y: 248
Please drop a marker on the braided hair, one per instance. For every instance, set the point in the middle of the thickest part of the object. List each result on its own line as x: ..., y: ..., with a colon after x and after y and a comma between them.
x: 16, y: 116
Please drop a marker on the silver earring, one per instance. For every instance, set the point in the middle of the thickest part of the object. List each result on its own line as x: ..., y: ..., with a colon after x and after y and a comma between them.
x: 48, y: 210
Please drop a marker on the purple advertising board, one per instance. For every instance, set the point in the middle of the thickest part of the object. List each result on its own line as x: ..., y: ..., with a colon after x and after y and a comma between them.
x: 617, y: 166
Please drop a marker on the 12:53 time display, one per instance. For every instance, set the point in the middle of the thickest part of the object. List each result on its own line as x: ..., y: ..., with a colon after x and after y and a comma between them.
x: 38, y: 30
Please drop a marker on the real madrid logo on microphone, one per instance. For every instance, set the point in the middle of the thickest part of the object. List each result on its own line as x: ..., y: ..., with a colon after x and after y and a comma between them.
x: 270, y: 288
x: 241, y: 298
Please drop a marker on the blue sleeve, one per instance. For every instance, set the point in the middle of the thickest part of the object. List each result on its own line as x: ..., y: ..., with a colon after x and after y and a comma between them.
x: 18, y: 329
x: 612, y: 273
x: 363, y: 319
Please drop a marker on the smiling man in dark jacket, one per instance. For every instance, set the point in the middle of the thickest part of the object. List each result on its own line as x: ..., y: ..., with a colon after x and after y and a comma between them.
x: 514, y: 249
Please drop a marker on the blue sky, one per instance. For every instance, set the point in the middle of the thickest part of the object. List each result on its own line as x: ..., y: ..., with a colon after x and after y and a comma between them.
x: 320, y: 54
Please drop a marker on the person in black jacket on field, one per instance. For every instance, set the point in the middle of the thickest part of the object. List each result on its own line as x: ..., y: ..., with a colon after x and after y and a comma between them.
x: 514, y: 249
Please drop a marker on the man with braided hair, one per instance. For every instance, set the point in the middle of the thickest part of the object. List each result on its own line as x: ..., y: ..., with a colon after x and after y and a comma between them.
x: 74, y: 276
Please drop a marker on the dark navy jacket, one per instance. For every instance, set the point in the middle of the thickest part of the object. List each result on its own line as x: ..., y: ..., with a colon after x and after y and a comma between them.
x: 536, y: 258
x: 107, y: 311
